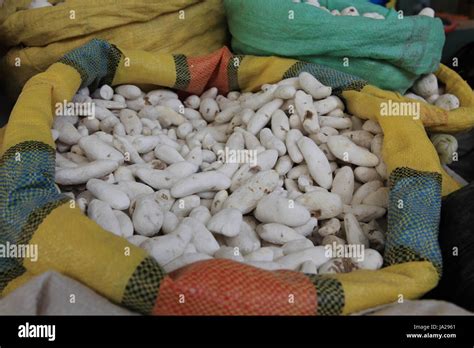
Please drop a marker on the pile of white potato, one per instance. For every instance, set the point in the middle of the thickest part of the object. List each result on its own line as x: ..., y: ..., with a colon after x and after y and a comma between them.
x: 352, y: 11
x: 268, y: 179
x: 428, y: 90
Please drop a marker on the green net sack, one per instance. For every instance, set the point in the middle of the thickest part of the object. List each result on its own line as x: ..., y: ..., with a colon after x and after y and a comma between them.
x: 390, y: 54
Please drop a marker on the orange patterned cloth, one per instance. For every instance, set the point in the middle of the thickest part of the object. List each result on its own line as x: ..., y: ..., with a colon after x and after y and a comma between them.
x: 224, y: 287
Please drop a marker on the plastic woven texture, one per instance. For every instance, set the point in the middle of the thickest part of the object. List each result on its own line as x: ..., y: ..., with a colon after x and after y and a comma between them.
x: 40, y: 37
x: 27, y: 196
x: 339, y: 81
x: 74, y: 245
x: 415, y: 202
x: 94, y: 72
x: 406, y: 143
x: 390, y: 54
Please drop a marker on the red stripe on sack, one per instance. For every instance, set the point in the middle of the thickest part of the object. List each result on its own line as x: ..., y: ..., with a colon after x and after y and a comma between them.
x: 209, y: 71
x: 201, y: 70
x: 225, y: 287
x: 221, y: 78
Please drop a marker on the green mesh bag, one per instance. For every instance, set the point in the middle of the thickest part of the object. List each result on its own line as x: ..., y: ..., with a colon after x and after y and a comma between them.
x: 390, y: 54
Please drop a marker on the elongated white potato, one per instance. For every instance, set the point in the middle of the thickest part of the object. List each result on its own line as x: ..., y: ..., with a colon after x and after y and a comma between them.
x: 103, y: 214
x: 263, y: 115
x: 246, y: 197
x: 347, y: 151
x: 296, y: 245
x: 203, y: 239
x: 343, y: 184
x: 165, y: 179
x: 308, y: 228
x: 313, y: 87
x: 305, y: 108
x: 96, y: 149
x: 226, y: 222
x: 108, y: 193
x: 246, y: 240
x: 277, y: 233
x: 323, y: 205
x: 83, y: 173
x: 330, y: 227
x: 317, y: 162
x: 147, y: 217
x: 200, y: 182
x: 292, y: 261
x: 264, y: 254
x: 167, y: 248
x: 366, y: 189
x: 365, y: 213
x: 274, y: 208
x: 354, y: 234
x: 378, y: 198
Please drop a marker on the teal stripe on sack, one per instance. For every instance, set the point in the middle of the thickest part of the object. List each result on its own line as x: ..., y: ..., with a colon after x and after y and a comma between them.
x: 96, y: 62
x: 413, y: 217
x: 27, y: 195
